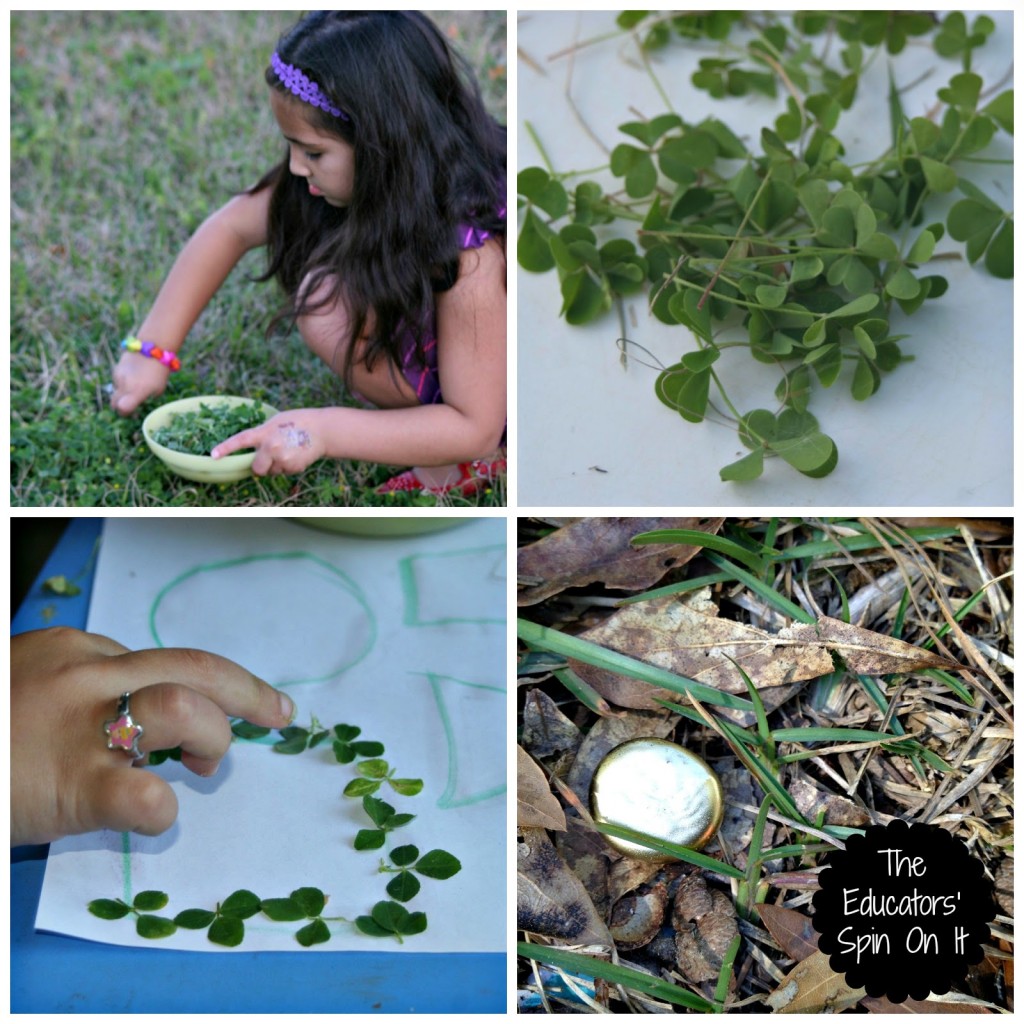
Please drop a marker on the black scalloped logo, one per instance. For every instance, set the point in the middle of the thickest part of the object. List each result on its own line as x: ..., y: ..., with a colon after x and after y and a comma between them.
x: 903, y: 911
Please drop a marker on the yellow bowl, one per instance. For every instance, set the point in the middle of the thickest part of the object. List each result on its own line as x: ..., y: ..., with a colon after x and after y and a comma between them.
x: 201, y: 468
x: 381, y: 526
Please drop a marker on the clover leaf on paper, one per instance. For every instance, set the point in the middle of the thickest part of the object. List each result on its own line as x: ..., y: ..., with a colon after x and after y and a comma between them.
x: 390, y: 918
x: 147, y: 924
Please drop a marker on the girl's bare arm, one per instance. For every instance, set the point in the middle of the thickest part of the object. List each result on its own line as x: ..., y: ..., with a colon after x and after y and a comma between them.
x: 200, y: 269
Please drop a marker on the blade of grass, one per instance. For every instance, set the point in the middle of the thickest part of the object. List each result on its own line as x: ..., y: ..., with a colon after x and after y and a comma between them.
x: 674, y: 850
x: 874, y: 691
x: 763, y: 590
x: 679, y: 588
x: 583, y: 691
x: 806, y: 755
x: 756, y: 838
x: 795, y: 850
x: 934, y: 760
x: 896, y: 114
x: 958, y: 616
x: 842, y: 831
x: 722, y: 988
x: 767, y: 740
x: 697, y: 538
x: 736, y: 732
x: 613, y: 661
x: 860, y: 542
x: 901, y: 614
x: 916, y: 748
x: 616, y: 974
x: 842, y: 595
x: 768, y: 547
x: 813, y: 733
x: 535, y: 663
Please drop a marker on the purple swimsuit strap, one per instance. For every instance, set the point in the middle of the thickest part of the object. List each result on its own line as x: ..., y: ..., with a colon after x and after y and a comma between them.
x: 473, y: 238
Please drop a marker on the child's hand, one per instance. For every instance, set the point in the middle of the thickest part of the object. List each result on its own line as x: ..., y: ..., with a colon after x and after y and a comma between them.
x: 286, y: 443
x: 65, y: 685
x: 136, y: 378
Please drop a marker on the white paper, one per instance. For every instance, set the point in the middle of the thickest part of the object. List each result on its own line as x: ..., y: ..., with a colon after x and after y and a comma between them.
x: 404, y: 638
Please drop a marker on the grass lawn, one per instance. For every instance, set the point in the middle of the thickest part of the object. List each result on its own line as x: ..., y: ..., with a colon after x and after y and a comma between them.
x: 127, y: 130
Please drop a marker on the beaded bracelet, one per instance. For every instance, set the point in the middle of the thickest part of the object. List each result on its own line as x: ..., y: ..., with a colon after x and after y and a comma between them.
x: 147, y: 348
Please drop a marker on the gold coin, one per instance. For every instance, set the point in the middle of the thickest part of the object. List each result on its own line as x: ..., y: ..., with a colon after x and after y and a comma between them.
x: 660, y: 788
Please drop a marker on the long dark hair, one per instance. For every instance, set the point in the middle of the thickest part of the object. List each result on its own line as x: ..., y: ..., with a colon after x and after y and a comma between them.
x: 428, y: 158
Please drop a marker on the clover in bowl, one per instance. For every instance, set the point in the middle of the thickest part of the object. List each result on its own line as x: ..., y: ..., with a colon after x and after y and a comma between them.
x: 184, y: 432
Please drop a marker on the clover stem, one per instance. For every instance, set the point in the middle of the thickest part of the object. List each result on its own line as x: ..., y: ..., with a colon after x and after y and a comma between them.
x: 579, y: 174
x: 653, y: 77
x: 739, y: 232
x: 725, y: 397
x: 540, y: 147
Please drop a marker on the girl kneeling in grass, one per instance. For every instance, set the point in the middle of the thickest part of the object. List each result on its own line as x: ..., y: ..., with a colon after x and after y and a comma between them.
x: 385, y: 226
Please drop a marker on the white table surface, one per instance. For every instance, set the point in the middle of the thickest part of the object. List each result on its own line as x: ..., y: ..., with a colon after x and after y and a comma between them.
x: 939, y: 431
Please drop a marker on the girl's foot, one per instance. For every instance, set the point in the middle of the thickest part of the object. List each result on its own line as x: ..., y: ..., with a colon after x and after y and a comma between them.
x: 467, y: 478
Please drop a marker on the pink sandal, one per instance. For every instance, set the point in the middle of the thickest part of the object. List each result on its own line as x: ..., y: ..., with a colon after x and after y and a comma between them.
x: 472, y: 477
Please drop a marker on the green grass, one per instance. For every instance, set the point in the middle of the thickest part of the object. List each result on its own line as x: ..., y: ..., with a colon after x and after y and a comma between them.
x: 127, y: 130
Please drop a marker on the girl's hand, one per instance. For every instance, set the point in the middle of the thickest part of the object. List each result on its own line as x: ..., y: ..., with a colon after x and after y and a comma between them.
x: 65, y: 684
x: 137, y: 378
x: 286, y: 443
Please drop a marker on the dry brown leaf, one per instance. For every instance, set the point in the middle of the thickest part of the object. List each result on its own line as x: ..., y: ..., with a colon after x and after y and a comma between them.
x: 812, y: 797
x: 675, y: 635
x: 546, y: 730
x: 882, y: 1005
x: 813, y: 987
x: 864, y: 651
x: 792, y: 930
x: 795, y: 933
x: 550, y: 899
x: 1004, y: 885
x: 598, y: 549
x: 586, y: 855
x: 536, y: 805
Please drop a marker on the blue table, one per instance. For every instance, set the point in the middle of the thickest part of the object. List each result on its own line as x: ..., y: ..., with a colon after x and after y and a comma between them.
x: 54, y: 973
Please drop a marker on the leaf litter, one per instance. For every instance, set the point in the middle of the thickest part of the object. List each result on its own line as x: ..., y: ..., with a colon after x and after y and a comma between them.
x: 897, y: 631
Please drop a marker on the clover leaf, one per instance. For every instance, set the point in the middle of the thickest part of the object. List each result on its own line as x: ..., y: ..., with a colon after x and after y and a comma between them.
x: 390, y: 918
x: 247, y: 731
x: 792, y: 435
x: 147, y: 925
x: 224, y: 924
x: 109, y: 910
x: 437, y: 864
x: 976, y: 221
x: 536, y: 185
x: 347, y: 748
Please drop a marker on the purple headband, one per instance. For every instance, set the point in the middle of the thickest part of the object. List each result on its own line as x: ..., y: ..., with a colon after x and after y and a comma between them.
x: 302, y: 87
